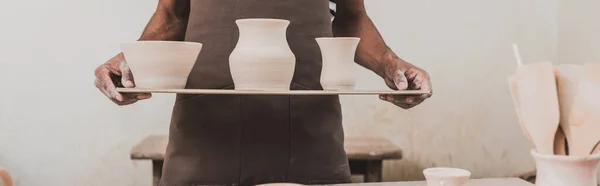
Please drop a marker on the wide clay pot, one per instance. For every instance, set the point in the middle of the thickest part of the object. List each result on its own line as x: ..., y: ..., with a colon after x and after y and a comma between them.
x: 559, y: 170
x: 5, y: 178
x: 161, y: 64
x: 280, y: 184
x: 262, y: 58
x: 338, y: 54
x: 446, y: 176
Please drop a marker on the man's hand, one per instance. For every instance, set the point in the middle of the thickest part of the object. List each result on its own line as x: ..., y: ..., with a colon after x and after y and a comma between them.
x: 401, y: 75
x: 116, y: 73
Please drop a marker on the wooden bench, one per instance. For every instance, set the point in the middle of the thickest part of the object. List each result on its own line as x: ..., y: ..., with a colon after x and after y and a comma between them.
x: 365, y: 154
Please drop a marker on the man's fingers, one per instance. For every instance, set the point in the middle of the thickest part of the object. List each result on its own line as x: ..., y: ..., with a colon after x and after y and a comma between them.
x: 390, y: 98
x: 404, y: 106
x: 99, y: 82
x: 127, y: 99
x: 112, y: 91
x: 407, y: 79
x: 398, y: 98
x: 128, y: 82
x: 127, y: 77
x: 126, y: 102
x: 407, y: 99
x: 425, y: 96
x: 116, y: 97
x: 411, y: 74
x: 143, y: 96
x: 421, y: 82
x: 105, y: 84
x: 417, y: 100
x: 403, y: 101
x: 103, y: 90
x: 400, y: 80
x: 387, y: 97
x: 417, y: 83
x: 426, y: 86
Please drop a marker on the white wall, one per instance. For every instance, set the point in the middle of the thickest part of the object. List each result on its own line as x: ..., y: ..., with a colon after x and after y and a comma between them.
x: 579, y: 28
x: 56, y: 129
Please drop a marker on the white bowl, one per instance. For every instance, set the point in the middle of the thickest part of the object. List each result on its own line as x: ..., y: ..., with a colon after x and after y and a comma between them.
x: 444, y: 176
x: 161, y: 64
x: 280, y: 184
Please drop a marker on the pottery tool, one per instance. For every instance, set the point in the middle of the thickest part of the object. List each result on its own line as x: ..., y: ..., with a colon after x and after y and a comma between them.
x: 5, y: 178
x: 517, y: 55
x: 513, y: 92
x: 567, y: 79
x: 584, y: 117
x: 261, y: 92
x: 536, y: 90
x: 560, y: 142
x: 596, y: 148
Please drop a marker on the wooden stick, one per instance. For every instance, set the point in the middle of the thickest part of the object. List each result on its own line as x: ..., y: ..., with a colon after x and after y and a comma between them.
x: 257, y: 92
x: 517, y: 55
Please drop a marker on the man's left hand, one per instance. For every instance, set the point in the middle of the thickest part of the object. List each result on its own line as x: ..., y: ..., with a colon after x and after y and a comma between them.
x: 401, y: 75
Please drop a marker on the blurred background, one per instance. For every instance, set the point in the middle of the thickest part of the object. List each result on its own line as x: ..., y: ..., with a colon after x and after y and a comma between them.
x: 57, y: 129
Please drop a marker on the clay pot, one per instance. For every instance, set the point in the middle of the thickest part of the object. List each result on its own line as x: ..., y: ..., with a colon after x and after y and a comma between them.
x: 556, y: 170
x: 280, y: 184
x: 161, y: 64
x: 5, y: 178
x: 338, y: 62
x: 262, y: 58
x: 443, y: 176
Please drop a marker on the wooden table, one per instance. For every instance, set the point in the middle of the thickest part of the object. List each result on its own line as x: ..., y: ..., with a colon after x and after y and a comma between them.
x: 472, y: 182
x: 366, y: 155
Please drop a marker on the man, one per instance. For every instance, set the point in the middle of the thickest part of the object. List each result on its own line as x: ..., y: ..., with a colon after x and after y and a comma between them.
x: 247, y: 140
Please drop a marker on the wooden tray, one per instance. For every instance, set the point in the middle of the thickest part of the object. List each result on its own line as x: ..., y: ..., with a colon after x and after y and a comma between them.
x: 257, y: 92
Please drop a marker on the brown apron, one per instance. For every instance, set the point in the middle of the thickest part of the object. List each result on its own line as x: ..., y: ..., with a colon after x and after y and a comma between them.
x: 248, y: 140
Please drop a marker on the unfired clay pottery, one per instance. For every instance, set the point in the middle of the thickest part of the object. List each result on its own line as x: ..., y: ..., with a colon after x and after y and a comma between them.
x: 262, y: 58
x: 560, y: 142
x: 280, y: 184
x: 338, y: 62
x: 161, y: 64
x: 5, y: 178
x: 555, y: 170
x: 442, y: 176
x: 537, y: 96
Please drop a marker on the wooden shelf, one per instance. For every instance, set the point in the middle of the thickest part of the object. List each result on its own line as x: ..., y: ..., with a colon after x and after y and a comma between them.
x: 257, y: 92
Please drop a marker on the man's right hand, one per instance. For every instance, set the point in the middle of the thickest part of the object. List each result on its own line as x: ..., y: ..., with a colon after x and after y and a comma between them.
x: 115, y: 73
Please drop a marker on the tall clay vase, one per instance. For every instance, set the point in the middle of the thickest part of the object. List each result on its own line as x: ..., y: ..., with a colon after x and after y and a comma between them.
x: 338, y: 53
x: 5, y: 178
x: 557, y: 170
x: 161, y: 64
x: 262, y: 58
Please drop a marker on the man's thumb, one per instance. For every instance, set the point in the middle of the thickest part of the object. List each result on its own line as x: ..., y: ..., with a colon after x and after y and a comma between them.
x: 127, y: 77
x: 400, y: 80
